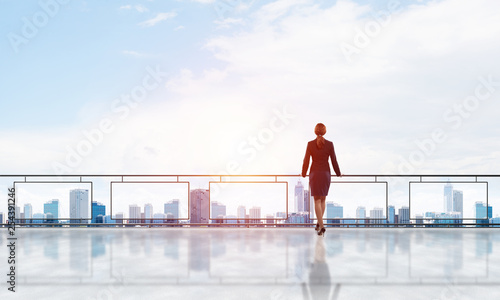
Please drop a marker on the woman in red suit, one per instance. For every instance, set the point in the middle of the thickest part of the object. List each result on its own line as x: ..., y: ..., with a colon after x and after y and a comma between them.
x: 320, y: 176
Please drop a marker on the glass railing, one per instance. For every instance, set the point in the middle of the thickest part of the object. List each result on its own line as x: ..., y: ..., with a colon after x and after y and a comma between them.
x: 248, y: 201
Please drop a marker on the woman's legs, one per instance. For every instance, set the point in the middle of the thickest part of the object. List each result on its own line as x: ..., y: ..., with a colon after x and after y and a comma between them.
x: 318, y: 208
x: 323, y: 205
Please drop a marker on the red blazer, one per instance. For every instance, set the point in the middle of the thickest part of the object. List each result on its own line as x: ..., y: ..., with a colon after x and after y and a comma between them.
x: 320, y: 158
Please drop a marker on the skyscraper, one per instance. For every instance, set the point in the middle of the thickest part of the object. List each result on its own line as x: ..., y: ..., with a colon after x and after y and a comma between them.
x: 448, y: 198
x: 199, y: 206
x: 98, y: 209
x: 254, y: 214
x: 377, y: 213
x: 1, y: 218
x: 52, y: 208
x: 361, y: 214
x: 334, y: 211
x: 482, y: 214
x: 242, y: 211
x: 299, y: 197
x: 404, y: 214
x: 148, y: 212
x: 172, y: 207
x: 134, y: 213
x: 307, y: 200
x: 218, y: 210
x: 392, y: 214
x: 28, y: 211
x: 78, y: 205
x: 458, y: 202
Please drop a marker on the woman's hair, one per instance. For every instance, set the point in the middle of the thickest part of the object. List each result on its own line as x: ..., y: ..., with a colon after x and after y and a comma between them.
x: 320, y: 130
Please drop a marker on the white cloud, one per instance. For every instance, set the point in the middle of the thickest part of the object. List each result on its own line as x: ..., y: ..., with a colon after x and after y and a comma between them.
x: 140, y: 8
x: 159, y: 18
x: 228, y: 22
x: 132, y: 53
x: 426, y: 60
x: 180, y: 27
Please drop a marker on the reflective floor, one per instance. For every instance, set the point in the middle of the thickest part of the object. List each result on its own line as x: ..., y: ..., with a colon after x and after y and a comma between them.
x: 254, y: 263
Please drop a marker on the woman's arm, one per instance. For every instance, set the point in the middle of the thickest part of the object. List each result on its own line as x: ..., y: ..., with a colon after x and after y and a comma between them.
x: 305, y: 165
x: 335, y: 164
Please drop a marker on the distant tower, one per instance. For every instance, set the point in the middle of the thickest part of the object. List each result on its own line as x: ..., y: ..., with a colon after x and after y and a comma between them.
x: 254, y: 214
x: 28, y: 211
x: 78, y: 205
x: 199, y: 206
x: 148, y: 212
x: 172, y: 207
x: 134, y: 213
x: 299, y: 197
x: 334, y: 210
x: 360, y: 214
x: 98, y: 209
x: 404, y: 214
x: 448, y: 198
x: 392, y: 214
x: 307, y: 200
x: 217, y: 210
x: 458, y: 202
x: 52, y: 208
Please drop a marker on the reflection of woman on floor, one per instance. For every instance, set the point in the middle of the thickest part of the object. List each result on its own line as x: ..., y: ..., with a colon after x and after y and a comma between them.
x: 319, y: 276
x: 320, y: 177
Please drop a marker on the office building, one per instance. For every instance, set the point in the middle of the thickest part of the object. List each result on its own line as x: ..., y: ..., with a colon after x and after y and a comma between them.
x: 79, y: 205
x: 199, y: 206
x: 134, y: 213
x: 299, y: 197
x: 148, y: 212
x: 391, y: 214
x: 448, y: 198
x: 218, y: 210
x: 51, y: 211
x: 334, y: 211
x: 28, y: 211
x: 361, y: 214
x: 482, y: 214
x: 404, y: 214
x: 98, y: 209
x: 172, y: 207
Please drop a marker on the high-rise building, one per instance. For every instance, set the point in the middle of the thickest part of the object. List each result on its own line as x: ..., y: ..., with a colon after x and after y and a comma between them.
x: 119, y: 218
x: 148, y: 212
x: 28, y: 211
x: 98, y: 209
x: 51, y: 210
x: 134, y: 213
x: 392, y: 214
x: 299, y: 197
x: 404, y: 214
x: 334, y: 211
x: 377, y: 213
x: 159, y: 218
x: 458, y: 202
x: 199, y: 206
x: 482, y: 214
x: 172, y: 207
x: 38, y: 218
x: 254, y: 214
x: 307, y: 200
x: 218, y: 210
x: 17, y: 213
x: 79, y: 205
x: 361, y: 214
x: 1, y: 218
x: 448, y: 198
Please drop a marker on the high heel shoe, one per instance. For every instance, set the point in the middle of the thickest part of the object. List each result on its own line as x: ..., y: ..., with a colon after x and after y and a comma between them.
x: 321, y: 232
x: 317, y: 227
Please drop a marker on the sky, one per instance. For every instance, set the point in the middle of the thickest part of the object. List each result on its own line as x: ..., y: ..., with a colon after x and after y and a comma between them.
x: 236, y: 87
